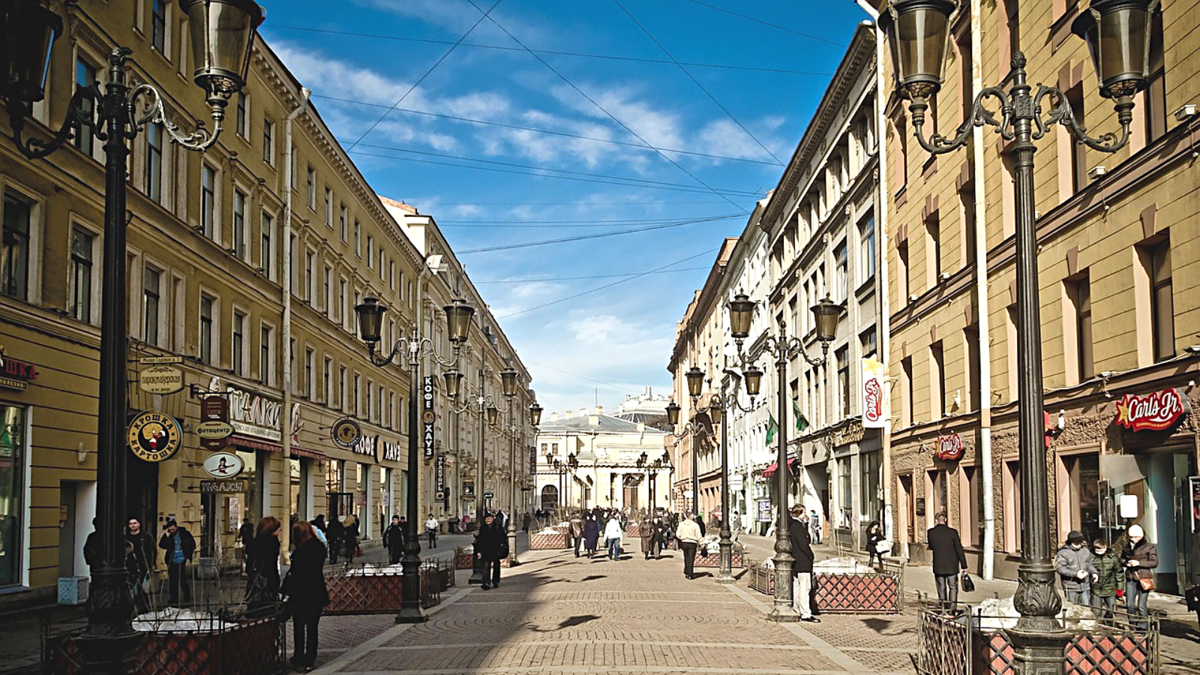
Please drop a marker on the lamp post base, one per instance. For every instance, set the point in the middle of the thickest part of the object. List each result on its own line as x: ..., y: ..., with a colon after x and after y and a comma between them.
x: 781, y: 614
x: 512, y: 544
x: 109, y: 654
x: 410, y: 615
x: 1039, y: 652
x: 725, y: 569
x: 410, y: 599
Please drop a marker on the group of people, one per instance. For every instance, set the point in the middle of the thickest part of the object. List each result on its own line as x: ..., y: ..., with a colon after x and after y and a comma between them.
x: 341, y: 537
x: 1095, y: 576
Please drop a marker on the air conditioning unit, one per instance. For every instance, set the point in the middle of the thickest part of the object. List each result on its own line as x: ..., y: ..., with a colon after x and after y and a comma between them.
x: 72, y: 590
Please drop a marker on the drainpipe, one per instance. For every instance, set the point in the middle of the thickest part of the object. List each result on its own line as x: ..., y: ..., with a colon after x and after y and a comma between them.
x: 881, y: 289
x: 286, y: 422
x: 981, y: 304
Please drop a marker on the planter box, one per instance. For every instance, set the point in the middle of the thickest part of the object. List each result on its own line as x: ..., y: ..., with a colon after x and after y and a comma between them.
x: 463, y: 561
x: 762, y: 579
x: 857, y: 593
x: 381, y: 591
x: 714, y: 560
x: 547, y: 542
x: 1098, y: 653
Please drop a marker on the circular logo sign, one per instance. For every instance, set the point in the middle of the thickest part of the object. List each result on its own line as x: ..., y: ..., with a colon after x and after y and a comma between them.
x: 345, y: 433
x: 223, y: 465
x: 427, y: 417
x: 214, y: 430
x: 154, y: 437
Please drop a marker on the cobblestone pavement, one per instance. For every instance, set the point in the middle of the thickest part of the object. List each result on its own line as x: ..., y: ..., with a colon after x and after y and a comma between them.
x: 561, y: 614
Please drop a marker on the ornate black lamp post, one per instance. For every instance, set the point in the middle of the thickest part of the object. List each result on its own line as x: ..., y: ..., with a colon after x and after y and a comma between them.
x: 508, y: 387
x: 370, y: 321
x: 1118, y: 34
x: 695, y: 385
x: 222, y: 34
x: 784, y: 347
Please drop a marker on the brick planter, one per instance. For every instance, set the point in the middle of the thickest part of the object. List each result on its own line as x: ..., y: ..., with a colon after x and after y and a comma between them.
x: 547, y: 542
x: 857, y: 593
x: 714, y: 560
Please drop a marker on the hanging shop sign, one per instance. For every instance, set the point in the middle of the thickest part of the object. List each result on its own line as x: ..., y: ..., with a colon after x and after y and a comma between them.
x: 367, y: 446
x: 532, y: 460
x: 489, y: 495
x: 1158, y: 411
x: 439, y: 473
x: 427, y: 416
x: 258, y: 416
x: 873, y: 400
x: 949, y: 448
x: 214, y: 428
x: 345, y: 432
x: 14, y: 373
x: 224, y: 465
x: 391, y: 452
x: 161, y: 380
x: 223, y: 487
x: 154, y: 436
x: 468, y: 488
x: 851, y: 433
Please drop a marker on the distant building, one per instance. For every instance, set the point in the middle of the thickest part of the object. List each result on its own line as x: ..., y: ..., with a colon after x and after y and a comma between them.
x: 646, y: 407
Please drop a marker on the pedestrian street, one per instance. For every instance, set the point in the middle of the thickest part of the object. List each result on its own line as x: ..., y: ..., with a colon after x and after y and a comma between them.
x: 560, y: 614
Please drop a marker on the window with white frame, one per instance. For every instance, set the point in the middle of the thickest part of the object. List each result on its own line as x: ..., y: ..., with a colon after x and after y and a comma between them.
x: 151, y: 305
x: 158, y: 26
x: 208, y: 201
x: 266, y: 246
x: 81, y: 272
x: 153, y: 180
x: 329, y: 208
x: 239, y: 224
x: 392, y: 275
x: 269, y: 142
x: 207, y: 351
x: 311, y: 188
x: 370, y: 251
x: 266, y: 355
x: 86, y: 75
x: 866, y: 248
x: 357, y: 238
x: 14, y: 253
x: 238, y: 344
x: 310, y: 382
x: 342, y: 218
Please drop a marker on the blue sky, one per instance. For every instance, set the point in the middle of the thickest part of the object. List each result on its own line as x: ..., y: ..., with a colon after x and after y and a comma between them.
x: 720, y: 134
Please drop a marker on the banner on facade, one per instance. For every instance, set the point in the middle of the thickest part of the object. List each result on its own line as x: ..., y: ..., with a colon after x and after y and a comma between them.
x: 873, y: 397
x: 439, y: 472
x: 1157, y: 411
x: 427, y: 416
x: 532, y: 461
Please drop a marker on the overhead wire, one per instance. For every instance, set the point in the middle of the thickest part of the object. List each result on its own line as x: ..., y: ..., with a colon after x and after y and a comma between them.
x: 606, y: 286
x: 583, y: 237
x: 766, y: 23
x: 602, y: 109
x: 426, y: 74
x: 593, y: 276
x: 589, y: 222
x: 696, y: 82
x: 551, y: 52
x: 551, y: 132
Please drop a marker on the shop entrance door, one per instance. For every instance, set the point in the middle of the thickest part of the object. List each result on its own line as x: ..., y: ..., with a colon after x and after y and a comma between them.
x: 908, y: 511
x: 340, y: 504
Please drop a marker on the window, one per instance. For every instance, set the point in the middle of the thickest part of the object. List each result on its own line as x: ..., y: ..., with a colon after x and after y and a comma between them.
x: 239, y: 224
x: 13, y: 487
x: 870, y: 495
x: 381, y: 261
x: 343, y: 312
x: 841, y: 273
x: 329, y: 208
x: 392, y: 275
x: 269, y: 142
x: 18, y: 220
x: 239, y: 343
x: 357, y: 238
x: 906, y: 376
x: 966, y: 216
x: 1083, y: 506
x: 310, y: 383
x: 151, y: 292
x: 206, y: 329
x: 310, y: 277
x: 370, y: 250
x: 971, y: 344
x: 937, y: 380
x: 966, y: 79
x: 311, y: 187
x: 208, y: 201
x: 971, y: 511
x: 846, y: 496
x: 1079, y: 168
x: 1157, y: 261
x: 342, y: 388
x: 265, y: 362
x: 937, y: 499
x: 354, y: 407
x: 1079, y: 294
x: 327, y: 380
x: 264, y: 254
x: 85, y: 76
x: 866, y: 243
x: 902, y: 149
x: 158, y: 26
x: 933, y: 251
x: 843, y: 374
x: 240, y: 124
x: 379, y: 407
x: 867, y: 342
x: 154, y: 161
x: 902, y: 273
x: 82, y: 244
x: 1010, y: 487
x: 1156, y: 89
x: 328, y: 291
x: 342, y: 217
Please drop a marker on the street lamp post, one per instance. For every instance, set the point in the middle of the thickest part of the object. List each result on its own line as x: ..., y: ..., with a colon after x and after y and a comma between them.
x: 370, y: 321
x: 784, y: 347
x: 453, y: 379
x: 116, y: 113
x: 1118, y: 35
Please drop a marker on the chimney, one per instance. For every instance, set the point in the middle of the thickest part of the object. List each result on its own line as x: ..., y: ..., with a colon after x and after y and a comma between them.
x: 641, y: 427
x: 594, y: 420
x: 554, y: 417
x: 599, y: 410
x: 567, y: 414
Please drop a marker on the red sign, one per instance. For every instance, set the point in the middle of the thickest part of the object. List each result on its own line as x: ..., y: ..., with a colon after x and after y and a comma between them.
x: 1151, y: 412
x: 949, y: 448
x: 14, y: 373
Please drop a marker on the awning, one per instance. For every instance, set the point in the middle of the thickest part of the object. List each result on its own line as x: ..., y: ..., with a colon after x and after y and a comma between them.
x: 770, y: 470
x: 268, y: 446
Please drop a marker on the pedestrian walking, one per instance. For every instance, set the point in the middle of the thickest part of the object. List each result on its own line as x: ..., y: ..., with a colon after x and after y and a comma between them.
x: 318, y: 525
x: 874, y: 537
x: 488, y: 545
x: 612, y: 537
x: 525, y: 528
x: 689, y: 536
x: 262, y: 568
x: 179, y: 546
x: 246, y: 537
x: 948, y: 559
x: 700, y: 522
x: 139, y: 563
x: 658, y: 540
x: 735, y: 524
x: 646, y: 534
x: 393, y: 540
x: 1105, y: 581
x: 307, y: 595
x: 591, y: 535
x: 575, y: 530
x: 335, y: 534
x: 1073, y: 562
x: 815, y: 527
x: 802, y: 564
x: 1139, y: 558
x: 350, y: 534
x: 431, y: 528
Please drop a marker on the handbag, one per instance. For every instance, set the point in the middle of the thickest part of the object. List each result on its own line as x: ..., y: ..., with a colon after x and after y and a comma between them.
x: 1146, y: 583
x: 967, y: 584
x: 883, y: 546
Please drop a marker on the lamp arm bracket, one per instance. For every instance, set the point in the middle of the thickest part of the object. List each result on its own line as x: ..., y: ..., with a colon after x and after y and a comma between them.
x: 76, y: 117
x: 1061, y: 113
x: 146, y: 107
x: 980, y: 116
x: 378, y: 359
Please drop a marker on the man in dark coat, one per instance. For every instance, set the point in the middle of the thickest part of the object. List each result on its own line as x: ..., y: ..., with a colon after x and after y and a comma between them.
x: 179, y: 546
x: 393, y: 539
x: 948, y: 560
x: 335, y: 533
x: 802, y: 564
x: 139, y: 562
x: 489, y: 544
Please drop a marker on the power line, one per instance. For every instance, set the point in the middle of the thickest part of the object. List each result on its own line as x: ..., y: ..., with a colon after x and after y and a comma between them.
x: 581, y: 377
x: 680, y: 188
x: 594, y: 276
x: 697, y: 82
x: 412, y: 200
x: 582, y: 237
x: 427, y: 73
x: 546, y: 131
x: 586, y: 222
x: 601, y: 288
x: 601, y: 108
x: 550, y: 52
x: 765, y: 23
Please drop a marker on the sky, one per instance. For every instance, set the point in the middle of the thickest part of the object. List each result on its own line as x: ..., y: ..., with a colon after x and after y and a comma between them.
x: 641, y: 131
